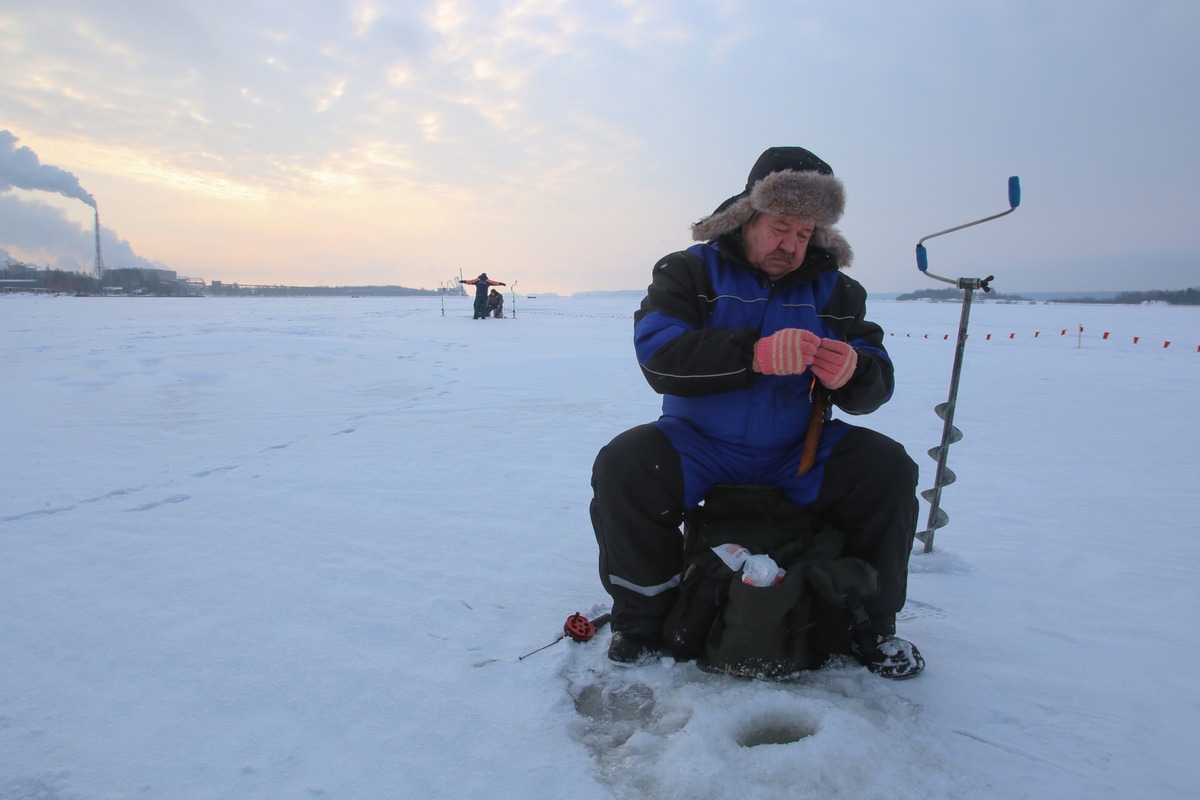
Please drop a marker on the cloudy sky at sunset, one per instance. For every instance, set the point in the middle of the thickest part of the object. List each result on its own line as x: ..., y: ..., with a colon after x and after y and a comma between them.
x: 567, y: 144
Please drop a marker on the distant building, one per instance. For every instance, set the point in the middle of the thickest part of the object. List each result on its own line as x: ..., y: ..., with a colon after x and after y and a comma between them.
x: 12, y: 285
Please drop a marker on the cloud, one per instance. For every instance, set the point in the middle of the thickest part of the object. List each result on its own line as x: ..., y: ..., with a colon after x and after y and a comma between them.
x: 540, y: 124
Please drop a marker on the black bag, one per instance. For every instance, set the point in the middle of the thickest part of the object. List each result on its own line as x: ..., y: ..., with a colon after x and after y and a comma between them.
x: 765, y: 631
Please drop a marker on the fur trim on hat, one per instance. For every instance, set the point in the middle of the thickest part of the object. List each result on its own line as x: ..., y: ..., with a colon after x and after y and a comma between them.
x: 811, y: 196
x: 819, y: 199
x: 832, y: 241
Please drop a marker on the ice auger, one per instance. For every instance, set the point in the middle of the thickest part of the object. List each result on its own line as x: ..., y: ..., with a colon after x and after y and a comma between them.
x: 950, y: 434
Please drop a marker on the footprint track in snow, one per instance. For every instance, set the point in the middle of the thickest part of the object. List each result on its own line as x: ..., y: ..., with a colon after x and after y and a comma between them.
x: 175, y: 498
x: 915, y: 608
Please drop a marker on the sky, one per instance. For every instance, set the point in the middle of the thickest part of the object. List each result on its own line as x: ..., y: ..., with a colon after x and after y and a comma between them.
x: 566, y: 146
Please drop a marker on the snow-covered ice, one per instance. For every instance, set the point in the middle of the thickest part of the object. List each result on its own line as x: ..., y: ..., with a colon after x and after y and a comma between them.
x: 293, y: 548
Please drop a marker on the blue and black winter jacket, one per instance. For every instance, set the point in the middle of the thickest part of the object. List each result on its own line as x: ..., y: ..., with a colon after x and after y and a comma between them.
x: 695, y: 334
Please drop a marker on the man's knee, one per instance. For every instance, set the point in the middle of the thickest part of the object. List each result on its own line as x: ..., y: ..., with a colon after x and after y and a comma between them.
x: 898, y: 462
x: 874, y: 456
x: 634, y: 457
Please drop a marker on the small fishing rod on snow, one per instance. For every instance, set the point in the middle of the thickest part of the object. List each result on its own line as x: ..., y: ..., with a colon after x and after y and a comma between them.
x: 950, y: 434
x: 578, y: 627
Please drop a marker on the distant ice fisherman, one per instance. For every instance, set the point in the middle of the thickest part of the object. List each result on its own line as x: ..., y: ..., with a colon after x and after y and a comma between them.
x: 481, y: 285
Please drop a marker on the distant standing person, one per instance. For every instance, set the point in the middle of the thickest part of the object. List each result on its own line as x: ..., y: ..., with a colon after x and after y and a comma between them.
x: 481, y: 285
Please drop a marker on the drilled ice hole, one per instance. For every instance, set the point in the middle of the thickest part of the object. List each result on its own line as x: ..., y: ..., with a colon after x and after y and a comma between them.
x: 775, y: 730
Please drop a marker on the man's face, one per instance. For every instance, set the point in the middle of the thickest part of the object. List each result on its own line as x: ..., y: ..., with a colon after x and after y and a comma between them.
x: 776, y: 244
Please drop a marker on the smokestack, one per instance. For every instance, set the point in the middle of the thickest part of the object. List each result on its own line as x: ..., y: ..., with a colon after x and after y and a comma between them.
x: 21, y: 168
x: 99, y: 260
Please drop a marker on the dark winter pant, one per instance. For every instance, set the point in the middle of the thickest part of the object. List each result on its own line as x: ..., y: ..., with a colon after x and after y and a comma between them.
x: 868, y: 491
x: 480, y: 307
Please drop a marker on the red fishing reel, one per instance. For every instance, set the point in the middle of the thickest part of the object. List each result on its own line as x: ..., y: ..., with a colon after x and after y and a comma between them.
x: 579, y: 627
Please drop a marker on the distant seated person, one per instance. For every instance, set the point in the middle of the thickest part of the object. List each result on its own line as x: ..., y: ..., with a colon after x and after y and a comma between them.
x: 481, y: 285
x: 495, y: 306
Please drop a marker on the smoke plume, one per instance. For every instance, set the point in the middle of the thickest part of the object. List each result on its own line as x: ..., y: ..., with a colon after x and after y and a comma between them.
x: 43, y: 234
x: 21, y: 169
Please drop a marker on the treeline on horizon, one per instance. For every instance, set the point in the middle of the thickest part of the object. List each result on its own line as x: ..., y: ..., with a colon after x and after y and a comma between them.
x: 233, y: 289
x: 1181, y: 297
x: 155, y: 283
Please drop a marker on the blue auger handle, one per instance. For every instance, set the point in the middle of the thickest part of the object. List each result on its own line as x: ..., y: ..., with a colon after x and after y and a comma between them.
x: 1014, y: 200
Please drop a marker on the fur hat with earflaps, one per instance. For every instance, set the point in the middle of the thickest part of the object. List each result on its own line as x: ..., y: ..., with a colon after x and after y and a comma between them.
x: 786, y: 180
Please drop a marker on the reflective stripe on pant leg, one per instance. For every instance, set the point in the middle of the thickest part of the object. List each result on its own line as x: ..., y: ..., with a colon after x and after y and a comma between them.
x: 646, y: 591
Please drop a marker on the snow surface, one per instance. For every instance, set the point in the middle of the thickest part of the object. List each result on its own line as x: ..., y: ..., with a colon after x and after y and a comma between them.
x: 294, y: 548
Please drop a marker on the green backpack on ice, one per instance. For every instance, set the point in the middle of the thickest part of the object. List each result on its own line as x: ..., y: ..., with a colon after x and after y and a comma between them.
x: 774, y: 631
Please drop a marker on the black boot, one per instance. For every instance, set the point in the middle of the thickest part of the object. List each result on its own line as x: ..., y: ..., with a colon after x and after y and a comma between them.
x: 890, y: 657
x: 627, y: 647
